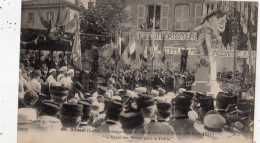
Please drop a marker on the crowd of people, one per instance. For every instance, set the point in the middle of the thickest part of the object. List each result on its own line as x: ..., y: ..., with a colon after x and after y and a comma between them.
x: 52, y: 97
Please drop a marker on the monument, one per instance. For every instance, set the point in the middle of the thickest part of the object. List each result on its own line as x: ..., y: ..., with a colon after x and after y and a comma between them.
x: 209, y: 38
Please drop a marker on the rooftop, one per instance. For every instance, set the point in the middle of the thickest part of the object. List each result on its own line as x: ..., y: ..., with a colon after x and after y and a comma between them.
x: 49, y: 3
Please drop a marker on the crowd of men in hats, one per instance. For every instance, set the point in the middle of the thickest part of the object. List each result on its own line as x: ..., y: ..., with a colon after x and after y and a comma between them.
x: 128, y: 104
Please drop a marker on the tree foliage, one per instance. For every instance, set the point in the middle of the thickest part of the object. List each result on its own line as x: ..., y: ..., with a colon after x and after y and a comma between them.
x: 105, y: 18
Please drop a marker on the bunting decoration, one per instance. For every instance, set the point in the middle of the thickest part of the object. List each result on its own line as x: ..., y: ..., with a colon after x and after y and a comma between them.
x: 35, y: 41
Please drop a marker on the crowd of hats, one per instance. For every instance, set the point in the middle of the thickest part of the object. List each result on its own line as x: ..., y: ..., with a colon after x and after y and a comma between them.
x: 134, y: 109
x: 224, y: 114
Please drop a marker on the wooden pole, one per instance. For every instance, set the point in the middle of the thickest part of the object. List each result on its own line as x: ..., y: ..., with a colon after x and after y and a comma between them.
x: 234, y: 39
x: 153, y: 33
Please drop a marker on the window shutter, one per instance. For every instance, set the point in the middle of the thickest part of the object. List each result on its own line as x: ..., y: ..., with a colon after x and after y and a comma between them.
x: 140, y: 16
x: 164, y: 17
x: 198, y: 14
x: 182, y: 15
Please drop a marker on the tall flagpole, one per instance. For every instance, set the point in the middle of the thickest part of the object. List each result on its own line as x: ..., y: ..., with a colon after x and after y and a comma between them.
x: 154, y: 11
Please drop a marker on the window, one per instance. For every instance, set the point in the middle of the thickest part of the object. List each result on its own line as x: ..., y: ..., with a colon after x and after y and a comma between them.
x: 146, y: 14
x: 50, y: 15
x: 30, y: 17
x: 150, y: 15
x: 198, y: 14
x: 182, y: 16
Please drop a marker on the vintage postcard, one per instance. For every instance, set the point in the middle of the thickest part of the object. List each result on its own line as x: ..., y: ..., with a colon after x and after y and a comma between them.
x: 137, y: 71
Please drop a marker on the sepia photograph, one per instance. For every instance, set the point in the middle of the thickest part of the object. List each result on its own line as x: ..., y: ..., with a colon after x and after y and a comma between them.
x: 137, y: 71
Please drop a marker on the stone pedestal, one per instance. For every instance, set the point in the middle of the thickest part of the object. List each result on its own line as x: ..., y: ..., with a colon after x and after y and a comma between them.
x: 202, y: 76
x: 206, y: 76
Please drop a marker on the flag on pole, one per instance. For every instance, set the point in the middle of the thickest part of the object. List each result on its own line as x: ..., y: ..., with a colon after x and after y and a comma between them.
x: 76, y: 49
x: 45, y: 23
x: 65, y: 17
x: 58, y: 20
x: 150, y: 53
x: 124, y: 48
x: 143, y: 54
x: 124, y: 43
x: 244, y: 16
x: 132, y: 50
x: 72, y: 25
x: 115, y: 55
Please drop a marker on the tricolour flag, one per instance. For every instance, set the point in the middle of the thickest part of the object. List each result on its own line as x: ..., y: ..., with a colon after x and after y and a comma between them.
x: 143, y: 54
x: 150, y: 53
x: 58, y: 20
x: 132, y: 50
x: 125, y: 48
x: 46, y: 24
x: 72, y: 25
x: 76, y: 49
x: 115, y: 55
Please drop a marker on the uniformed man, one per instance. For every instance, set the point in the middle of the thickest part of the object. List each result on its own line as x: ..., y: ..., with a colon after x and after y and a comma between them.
x: 232, y: 103
x: 163, y: 114
x: 58, y: 92
x: 148, y: 108
x: 181, y: 123
x: 206, y: 104
x: 87, y: 106
x: 71, y: 115
x: 222, y: 100
x: 133, y: 122
x: 114, y: 108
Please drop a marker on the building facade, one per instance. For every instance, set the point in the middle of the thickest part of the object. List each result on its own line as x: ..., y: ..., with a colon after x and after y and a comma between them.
x: 175, y: 20
x: 49, y: 10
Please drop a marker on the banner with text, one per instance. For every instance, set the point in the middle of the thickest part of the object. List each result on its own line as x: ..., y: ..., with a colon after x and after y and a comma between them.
x: 215, y: 52
x: 191, y: 36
